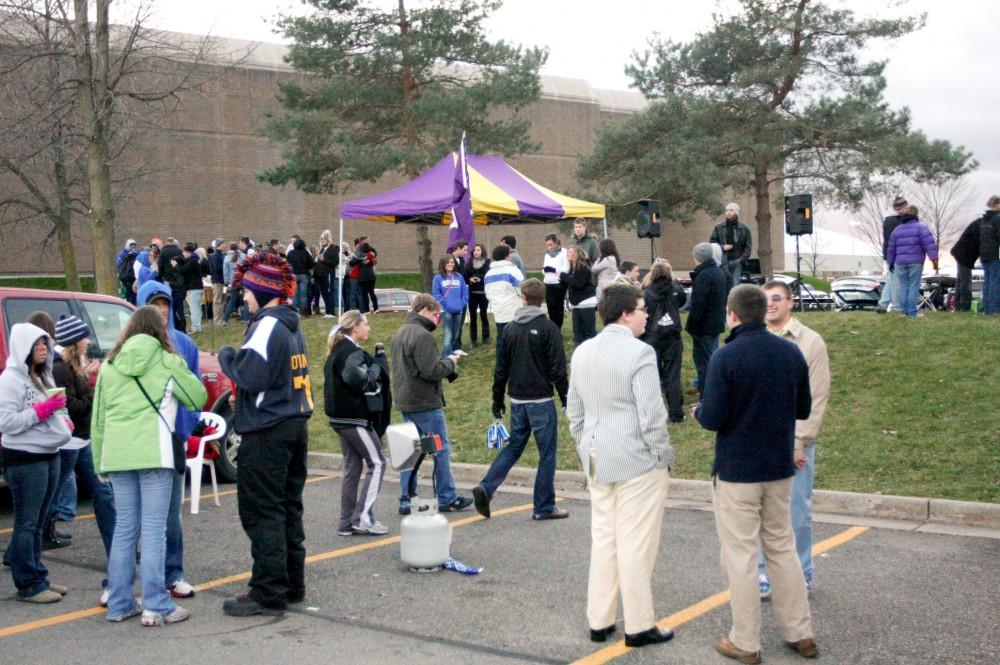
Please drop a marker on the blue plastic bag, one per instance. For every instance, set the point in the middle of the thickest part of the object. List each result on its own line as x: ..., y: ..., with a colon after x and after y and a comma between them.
x: 497, y: 435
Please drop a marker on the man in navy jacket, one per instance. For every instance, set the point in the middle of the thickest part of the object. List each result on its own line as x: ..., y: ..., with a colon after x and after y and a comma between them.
x: 756, y: 388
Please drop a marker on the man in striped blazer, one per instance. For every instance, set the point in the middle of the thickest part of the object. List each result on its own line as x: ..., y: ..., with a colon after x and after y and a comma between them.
x: 618, y: 420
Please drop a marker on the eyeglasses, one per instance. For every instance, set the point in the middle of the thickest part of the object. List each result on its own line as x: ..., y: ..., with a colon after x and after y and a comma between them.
x: 777, y: 297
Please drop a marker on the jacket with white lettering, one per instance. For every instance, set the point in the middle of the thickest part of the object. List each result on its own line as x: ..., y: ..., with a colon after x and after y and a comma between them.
x: 271, y: 371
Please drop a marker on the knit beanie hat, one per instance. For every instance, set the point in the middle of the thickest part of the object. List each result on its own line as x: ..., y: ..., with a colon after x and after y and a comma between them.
x: 268, y: 276
x: 70, y: 330
x: 702, y: 252
x: 734, y: 207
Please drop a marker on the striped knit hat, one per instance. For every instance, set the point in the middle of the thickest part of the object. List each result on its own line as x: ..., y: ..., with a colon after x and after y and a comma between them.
x: 268, y: 276
x: 70, y: 330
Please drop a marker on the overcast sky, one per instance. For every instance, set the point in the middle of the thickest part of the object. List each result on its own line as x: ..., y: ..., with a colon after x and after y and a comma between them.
x: 942, y: 73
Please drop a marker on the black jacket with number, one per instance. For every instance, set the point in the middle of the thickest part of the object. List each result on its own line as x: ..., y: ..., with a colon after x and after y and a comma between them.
x: 532, y: 360
x: 271, y: 371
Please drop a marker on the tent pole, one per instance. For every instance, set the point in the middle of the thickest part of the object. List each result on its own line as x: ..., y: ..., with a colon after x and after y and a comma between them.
x: 340, y: 269
x: 605, y: 223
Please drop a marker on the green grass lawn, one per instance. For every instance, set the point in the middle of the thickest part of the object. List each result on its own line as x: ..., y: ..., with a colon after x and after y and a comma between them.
x: 912, y: 411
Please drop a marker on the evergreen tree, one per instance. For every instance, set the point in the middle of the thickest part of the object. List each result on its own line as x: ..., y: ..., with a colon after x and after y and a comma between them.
x: 774, y: 95
x: 391, y: 92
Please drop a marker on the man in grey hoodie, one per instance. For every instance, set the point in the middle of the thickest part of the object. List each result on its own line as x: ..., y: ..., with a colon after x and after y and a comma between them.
x: 532, y: 362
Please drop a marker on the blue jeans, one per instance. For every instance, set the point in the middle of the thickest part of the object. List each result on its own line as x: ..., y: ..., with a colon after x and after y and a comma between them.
x: 524, y: 419
x: 64, y: 503
x: 301, y: 300
x: 432, y: 422
x: 802, y: 490
x: 143, y: 501
x: 329, y: 288
x: 702, y: 348
x: 890, y: 294
x: 451, y: 328
x: 32, y: 487
x: 908, y: 275
x: 991, y: 287
x: 174, y: 559
x: 82, y: 462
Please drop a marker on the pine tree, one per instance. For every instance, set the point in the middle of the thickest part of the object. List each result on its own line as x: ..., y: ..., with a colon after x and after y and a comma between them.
x: 776, y: 94
x: 391, y: 92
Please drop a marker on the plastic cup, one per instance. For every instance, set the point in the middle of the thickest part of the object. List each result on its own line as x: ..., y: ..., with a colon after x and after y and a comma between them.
x: 56, y: 391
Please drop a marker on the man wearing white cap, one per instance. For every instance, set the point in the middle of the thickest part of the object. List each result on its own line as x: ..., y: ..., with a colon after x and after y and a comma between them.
x: 736, y: 241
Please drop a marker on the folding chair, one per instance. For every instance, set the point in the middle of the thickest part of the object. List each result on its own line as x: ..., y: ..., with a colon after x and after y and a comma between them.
x: 196, y: 463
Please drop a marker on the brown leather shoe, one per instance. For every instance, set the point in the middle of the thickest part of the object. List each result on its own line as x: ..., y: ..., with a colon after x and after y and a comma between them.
x: 806, y: 648
x: 730, y: 650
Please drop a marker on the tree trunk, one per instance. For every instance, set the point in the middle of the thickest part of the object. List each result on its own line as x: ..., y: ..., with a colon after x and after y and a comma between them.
x: 92, y: 96
x: 63, y: 224
x: 424, y: 257
x: 763, y: 217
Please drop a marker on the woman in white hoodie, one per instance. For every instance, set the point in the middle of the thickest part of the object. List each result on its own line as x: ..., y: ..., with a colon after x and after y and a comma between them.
x: 34, y: 424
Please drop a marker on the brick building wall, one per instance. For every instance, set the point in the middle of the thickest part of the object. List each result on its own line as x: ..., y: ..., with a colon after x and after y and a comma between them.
x: 203, y: 160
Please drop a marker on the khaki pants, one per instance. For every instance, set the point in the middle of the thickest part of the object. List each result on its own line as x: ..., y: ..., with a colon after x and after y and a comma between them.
x: 748, y: 514
x: 218, y: 303
x: 625, y: 524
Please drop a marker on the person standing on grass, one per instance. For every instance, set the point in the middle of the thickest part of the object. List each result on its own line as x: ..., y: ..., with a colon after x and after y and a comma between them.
x: 911, y: 243
x: 357, y: 402
x: 168, y: 261
x: 34, y: 426
x: 138, y: 392
x: 417, y: 371
x: 581, y: 294
x: 605, y: 269
x: 503, y: 289
x: 990, y: 256
x: 273, y: 405
x: 515, y: 258
x: 757, y: 386
x: 475, y: 274
x: 617, y: 419
x: 451, y: 291
x: 531, y: 364
x: 583, y: 239
x: 554, y: 264
x: 889, y: 300
x: 325, y: 272
x: 216, y: 264
x: 302, y: 264
x: 780, y: 321
x: 664, y: 297
x: 707, y: 317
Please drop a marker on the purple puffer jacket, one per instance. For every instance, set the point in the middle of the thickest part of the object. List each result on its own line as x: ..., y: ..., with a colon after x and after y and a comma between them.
x: 911, y: 242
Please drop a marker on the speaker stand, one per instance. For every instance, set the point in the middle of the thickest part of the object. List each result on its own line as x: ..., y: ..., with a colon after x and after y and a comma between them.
x: 797, y: 288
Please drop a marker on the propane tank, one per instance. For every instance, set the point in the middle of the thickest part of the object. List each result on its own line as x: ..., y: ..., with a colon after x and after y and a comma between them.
x: 424, y: 536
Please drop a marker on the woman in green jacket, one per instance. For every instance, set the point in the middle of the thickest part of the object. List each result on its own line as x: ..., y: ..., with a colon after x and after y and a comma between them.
x: 131, y: 441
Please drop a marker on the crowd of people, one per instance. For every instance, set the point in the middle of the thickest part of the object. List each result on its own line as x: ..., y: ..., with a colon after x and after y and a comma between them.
x: 764, y: 394
x: 203, y: 278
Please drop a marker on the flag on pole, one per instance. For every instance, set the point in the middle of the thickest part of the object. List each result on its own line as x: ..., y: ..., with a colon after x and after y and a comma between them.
x: 462, y: 226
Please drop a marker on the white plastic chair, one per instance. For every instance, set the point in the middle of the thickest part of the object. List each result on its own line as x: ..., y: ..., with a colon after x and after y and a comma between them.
x: 195, y: 464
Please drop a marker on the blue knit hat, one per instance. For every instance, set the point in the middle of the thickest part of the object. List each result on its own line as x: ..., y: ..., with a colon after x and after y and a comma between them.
x: 70, y: 330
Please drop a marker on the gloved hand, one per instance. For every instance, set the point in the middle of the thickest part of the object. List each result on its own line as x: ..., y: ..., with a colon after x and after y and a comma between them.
x: 45, y: 409
x: 498, y: 411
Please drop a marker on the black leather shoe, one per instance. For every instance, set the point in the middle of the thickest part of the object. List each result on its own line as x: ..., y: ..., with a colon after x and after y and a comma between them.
x: 601, y: 634
x: 652, y: 636
x: 482, y: 500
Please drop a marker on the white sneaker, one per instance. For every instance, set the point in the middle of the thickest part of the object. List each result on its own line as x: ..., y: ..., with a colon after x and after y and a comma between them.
x: 765, y: 586
x: 378, y: 529
x: 151, y: 618
x: 105, y: 596
x: 181, y: 589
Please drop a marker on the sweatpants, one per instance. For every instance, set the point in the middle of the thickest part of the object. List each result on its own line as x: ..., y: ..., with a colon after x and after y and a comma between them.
x: 360, y: 446
x: 269, y: 482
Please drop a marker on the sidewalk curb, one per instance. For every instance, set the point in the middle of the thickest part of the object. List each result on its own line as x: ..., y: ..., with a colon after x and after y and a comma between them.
x: 878, y: 506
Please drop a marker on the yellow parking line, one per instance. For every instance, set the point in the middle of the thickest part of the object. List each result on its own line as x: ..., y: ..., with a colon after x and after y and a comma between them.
x: 609, y: 653
x: 208, y: 495
x: 222, y: 581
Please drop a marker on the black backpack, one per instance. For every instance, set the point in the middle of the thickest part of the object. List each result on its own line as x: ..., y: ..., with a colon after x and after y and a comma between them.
x: 125, y: 272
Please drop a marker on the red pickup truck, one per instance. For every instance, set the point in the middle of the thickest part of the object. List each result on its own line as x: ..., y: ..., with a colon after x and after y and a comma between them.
x: 106, y: 317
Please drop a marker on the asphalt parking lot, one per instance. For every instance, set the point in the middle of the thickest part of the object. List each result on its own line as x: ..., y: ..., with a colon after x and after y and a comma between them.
x: 883, y: 596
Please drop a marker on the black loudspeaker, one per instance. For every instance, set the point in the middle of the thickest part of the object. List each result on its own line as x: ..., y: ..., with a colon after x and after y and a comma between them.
x: 647, y: 219
x: 799, y: 215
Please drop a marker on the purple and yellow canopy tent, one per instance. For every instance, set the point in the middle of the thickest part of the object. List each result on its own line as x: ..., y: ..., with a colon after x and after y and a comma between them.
x: 500, y: 194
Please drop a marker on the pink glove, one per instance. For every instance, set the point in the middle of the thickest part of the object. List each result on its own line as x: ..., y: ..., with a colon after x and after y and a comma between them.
x: 45, y: 409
